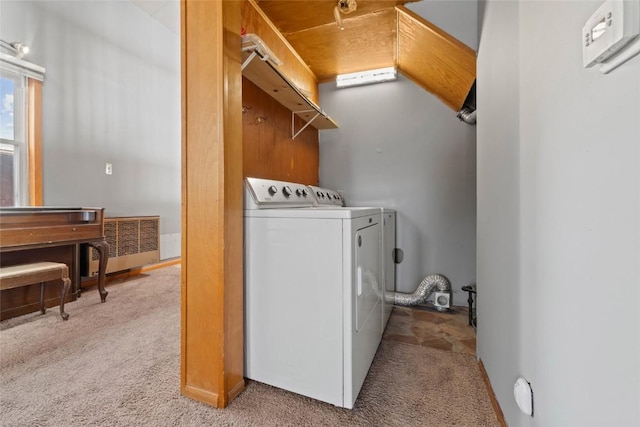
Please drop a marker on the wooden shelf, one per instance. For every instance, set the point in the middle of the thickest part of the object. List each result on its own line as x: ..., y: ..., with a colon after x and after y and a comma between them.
x: 264, y: 74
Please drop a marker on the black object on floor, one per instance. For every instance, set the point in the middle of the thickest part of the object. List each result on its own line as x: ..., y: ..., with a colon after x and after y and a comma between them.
x: 471, y: 289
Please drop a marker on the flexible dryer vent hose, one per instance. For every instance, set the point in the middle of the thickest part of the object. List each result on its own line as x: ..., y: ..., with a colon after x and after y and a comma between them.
x: 420, y: 295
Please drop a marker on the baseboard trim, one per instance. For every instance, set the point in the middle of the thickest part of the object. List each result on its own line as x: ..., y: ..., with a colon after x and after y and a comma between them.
x: 235, y: 391
x: 201, y: 395
x: 210, y: 398
x: 492, y: 395
x: 150, y: 267
x: 131, y: 272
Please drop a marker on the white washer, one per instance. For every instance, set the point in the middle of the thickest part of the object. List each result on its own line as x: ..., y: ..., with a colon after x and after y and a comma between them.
x: 312, y: 292
x: 325, y: 197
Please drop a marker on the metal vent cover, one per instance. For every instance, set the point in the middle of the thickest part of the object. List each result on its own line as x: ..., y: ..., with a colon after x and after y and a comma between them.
x: 133, y: 242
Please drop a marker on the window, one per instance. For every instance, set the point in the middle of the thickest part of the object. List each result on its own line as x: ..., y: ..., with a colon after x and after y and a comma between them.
x: 20, y: 132
x: 14, y: 187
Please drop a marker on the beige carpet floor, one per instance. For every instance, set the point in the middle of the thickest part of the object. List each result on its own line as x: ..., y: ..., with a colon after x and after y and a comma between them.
x: 118, y: 364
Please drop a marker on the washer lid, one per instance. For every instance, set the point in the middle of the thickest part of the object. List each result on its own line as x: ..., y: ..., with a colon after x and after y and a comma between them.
x: 314, y: 213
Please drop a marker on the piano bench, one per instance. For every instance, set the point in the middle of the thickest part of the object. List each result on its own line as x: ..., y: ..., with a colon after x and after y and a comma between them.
x: 16, y: 276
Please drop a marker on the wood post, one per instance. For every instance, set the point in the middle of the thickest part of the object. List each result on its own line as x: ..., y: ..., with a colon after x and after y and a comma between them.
x: 212, y: 240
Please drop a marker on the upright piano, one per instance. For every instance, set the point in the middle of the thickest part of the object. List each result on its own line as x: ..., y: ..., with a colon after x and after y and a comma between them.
x: 30, y: 234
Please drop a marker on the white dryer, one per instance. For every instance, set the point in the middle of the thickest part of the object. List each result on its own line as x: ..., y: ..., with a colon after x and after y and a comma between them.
x: 312, y: 292
x: 388, y: 262
x: 325, y: 197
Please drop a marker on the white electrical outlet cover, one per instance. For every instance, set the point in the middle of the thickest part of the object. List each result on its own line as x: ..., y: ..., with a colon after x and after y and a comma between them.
x: 523, y: 395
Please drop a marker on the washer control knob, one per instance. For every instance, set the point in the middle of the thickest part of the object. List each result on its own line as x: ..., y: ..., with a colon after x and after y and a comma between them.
x: 298, y: 192
x: 272, y: 190
x: 305, y: 193
x: 287, y: 190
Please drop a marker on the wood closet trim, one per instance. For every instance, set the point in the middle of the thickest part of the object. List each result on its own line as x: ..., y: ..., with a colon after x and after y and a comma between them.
x: 212, y: 228
x: 34, y: 141
x: 492, y: 395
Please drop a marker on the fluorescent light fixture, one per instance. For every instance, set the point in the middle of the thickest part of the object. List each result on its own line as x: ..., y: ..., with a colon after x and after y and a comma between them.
x: 366, y: 77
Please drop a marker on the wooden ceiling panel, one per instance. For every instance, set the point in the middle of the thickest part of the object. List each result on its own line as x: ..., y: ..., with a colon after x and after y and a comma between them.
x: 433, y: 59
x: 377, y: 34
x: 293, y: 16
x: 367, y: 42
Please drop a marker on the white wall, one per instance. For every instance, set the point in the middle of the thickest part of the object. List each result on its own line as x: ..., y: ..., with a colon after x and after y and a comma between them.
x: 400, y: 147
x: 111, y: 94
x: 559, y: 244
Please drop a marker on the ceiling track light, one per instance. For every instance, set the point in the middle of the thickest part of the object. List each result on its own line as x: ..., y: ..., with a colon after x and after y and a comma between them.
x: 18, y: 48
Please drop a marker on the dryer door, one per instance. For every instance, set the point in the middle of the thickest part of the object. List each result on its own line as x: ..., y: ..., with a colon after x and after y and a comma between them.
x: 366, y: 317
x: 368, y: 283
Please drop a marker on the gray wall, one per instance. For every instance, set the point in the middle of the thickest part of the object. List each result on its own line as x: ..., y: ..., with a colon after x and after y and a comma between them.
x: 498, y: 130
x: 558, y: 218
x: 111, y: 94
x: 400, y: 147
x: 459, y: 18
